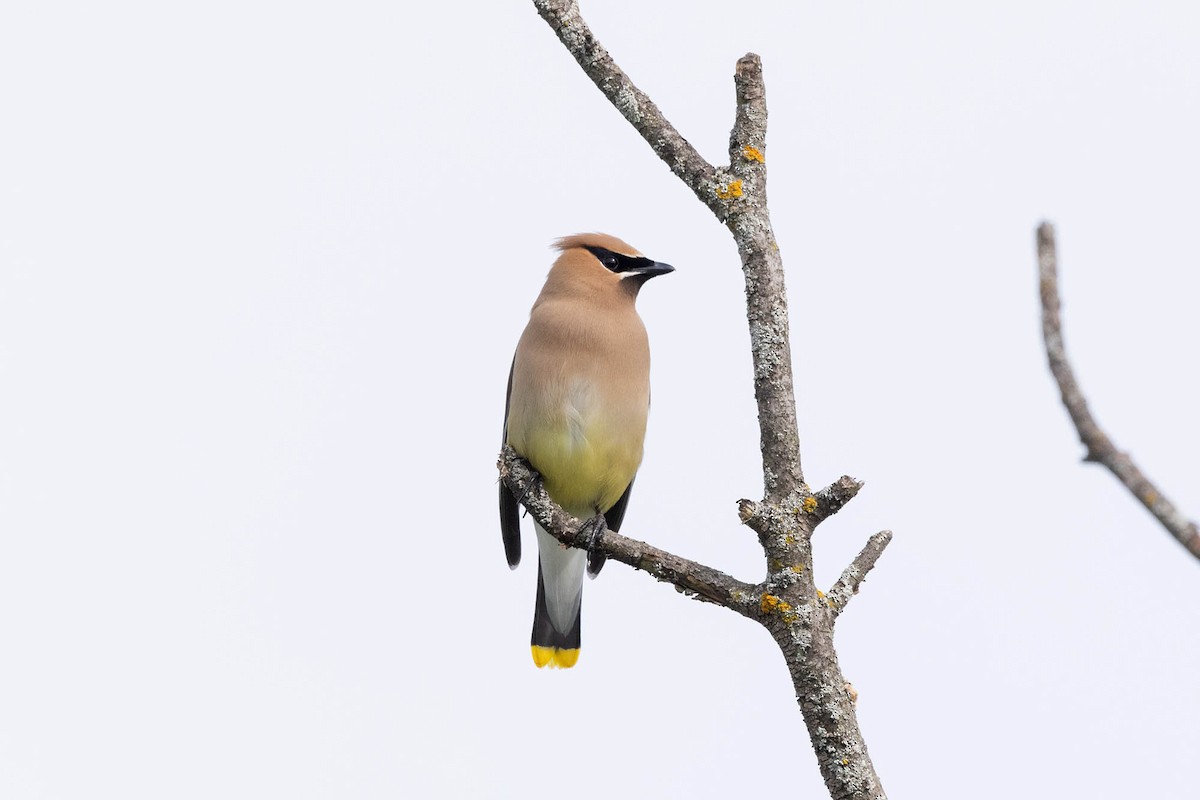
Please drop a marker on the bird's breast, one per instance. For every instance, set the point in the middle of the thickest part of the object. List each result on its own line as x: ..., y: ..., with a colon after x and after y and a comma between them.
x: 579, y: 400
x: 585, y: 442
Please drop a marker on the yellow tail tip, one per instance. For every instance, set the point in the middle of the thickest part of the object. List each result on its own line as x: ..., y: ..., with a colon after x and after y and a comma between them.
x: 554, y: 657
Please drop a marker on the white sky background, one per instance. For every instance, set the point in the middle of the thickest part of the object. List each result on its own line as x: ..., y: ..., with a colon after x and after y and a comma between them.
x: 262, y: 267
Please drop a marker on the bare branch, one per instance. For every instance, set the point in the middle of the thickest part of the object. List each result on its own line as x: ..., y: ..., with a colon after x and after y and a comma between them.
x: 675, y: 151
x: 853, y: 576
x: 766, y: 295
x: 697, y: 580
x: 834, y: 497
x: 1099, y: 447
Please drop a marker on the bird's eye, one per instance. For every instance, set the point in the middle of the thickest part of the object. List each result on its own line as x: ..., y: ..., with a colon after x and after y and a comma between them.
x: 610, y: 260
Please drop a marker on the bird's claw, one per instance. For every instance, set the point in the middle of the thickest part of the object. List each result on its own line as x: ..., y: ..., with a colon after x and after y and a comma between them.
x: 596, y: 527
x: 536, y: 480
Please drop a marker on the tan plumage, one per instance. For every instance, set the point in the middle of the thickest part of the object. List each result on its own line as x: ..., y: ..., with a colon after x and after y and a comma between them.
x: 579, y: 394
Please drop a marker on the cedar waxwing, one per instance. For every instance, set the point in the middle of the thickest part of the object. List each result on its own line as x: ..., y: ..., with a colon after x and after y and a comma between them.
x: 578, y: 395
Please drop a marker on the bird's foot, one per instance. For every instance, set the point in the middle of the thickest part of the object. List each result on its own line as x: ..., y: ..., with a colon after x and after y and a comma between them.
x: 595, y: 527
x: 536, y: 480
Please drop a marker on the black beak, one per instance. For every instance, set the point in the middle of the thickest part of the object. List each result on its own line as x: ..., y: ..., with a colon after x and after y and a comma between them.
x: 648, y: 271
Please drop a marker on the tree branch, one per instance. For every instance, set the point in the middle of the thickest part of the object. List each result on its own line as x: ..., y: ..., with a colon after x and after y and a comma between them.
x: 787, y: 602
x: 766, y: 295
x: 853, y: 576
x: 675, y: 151
x: 833, y: 497
x: 705, y: 583
x: 1100, y: 448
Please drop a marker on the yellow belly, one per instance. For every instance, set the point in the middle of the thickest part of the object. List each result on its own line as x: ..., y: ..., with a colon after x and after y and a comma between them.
x: 585, y: 470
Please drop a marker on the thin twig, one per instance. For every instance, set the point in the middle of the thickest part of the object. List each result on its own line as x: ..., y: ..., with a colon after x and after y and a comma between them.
x: 675, y: 151
x: 1100, y: 448
x: 853, y: 576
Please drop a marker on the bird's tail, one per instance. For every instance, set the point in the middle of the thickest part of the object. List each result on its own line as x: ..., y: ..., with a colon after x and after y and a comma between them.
x: 556, y: 615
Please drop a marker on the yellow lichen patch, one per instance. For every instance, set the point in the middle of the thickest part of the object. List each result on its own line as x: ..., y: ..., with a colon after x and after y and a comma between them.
x: 789, y: 539
x: 771, y: 604
x: 752, y: 154
x: 810, y: 505
x: 797, y: 568
x: 820, y: 594
x: 1150, y: 497
x: 732, y: 190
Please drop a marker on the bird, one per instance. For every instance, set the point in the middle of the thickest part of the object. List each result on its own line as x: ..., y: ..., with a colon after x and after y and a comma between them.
x: 576, y: 407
